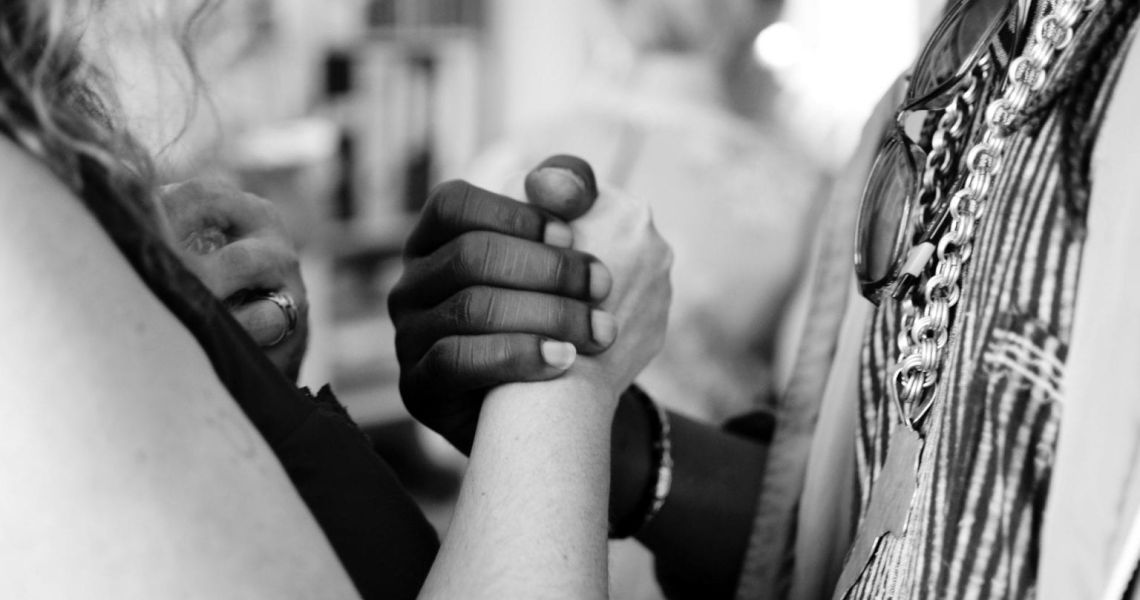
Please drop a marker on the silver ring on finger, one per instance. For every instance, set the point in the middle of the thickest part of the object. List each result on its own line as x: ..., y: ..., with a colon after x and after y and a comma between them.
x: 289, y: 309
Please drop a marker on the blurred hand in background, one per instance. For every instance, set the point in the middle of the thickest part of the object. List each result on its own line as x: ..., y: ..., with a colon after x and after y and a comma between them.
x: 237, y: 244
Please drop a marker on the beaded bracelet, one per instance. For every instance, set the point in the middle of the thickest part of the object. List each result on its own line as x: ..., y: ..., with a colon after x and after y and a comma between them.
x: 656, y: 493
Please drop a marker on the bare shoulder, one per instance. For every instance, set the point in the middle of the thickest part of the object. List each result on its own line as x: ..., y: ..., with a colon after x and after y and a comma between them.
x: 128, y: 469
x: 72, y: 301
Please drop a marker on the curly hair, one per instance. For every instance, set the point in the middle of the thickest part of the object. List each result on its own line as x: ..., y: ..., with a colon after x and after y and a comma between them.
x: 60, y: 107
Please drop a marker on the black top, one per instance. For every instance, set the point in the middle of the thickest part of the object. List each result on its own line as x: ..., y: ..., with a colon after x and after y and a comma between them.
x: 376, y: 529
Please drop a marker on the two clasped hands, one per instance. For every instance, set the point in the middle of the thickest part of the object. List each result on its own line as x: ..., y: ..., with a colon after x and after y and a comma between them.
x: 519, y: 327
x: 494, y: 290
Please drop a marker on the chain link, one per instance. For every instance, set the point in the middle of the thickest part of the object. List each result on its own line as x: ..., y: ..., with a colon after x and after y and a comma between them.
x: 925, y: 329
x: 940, y: 160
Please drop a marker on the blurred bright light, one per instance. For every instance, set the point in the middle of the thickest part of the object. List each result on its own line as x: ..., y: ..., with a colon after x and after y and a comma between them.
x: 778, y: 46
x: 849, y: 54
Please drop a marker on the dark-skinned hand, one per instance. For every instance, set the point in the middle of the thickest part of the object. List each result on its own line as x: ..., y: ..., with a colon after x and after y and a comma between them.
x: 492, y: 293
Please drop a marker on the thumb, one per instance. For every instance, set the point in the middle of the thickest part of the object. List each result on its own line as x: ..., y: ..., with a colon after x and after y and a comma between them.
x: 563, y: 185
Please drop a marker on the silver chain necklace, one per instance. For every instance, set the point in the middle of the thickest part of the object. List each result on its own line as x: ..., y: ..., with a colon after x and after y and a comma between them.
x: 926, y: 330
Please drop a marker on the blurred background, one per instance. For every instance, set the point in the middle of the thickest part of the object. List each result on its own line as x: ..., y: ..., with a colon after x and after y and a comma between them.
x: 729, y: 115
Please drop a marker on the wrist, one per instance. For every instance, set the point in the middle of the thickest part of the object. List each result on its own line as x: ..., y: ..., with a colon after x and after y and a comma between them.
x: 573, y: 405
x: 591, y: 379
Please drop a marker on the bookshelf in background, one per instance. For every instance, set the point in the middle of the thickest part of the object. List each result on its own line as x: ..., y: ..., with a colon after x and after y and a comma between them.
x: 405, y: 92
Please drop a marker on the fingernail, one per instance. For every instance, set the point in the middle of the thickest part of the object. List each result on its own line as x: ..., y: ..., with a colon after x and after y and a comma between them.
x: 604, y: 326
x: 560, y: 191
x: 562, y: 180
x: 559, y: 355
x: 574, y: 166
x: 600, y: 281
x: 558, y: 234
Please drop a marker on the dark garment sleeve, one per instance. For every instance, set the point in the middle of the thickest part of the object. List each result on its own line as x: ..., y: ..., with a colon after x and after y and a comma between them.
x: 377, y: 531
x: 758, y: 426
x: 676, y: 582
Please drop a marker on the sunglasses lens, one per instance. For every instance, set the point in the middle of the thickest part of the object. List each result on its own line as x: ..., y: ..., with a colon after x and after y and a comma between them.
x: 960, y: 40
x: 881, y: 229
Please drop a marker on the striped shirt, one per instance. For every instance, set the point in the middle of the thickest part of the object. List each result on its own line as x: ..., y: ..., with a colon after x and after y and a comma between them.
x: 972, y: 527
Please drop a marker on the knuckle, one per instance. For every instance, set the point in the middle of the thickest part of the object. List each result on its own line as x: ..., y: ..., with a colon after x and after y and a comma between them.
x: 522, y: 358
x: 490, y: 261
x: 516, y: 216
x: 445, y: 201
x: 454, y: 357
x: 516, y: 357
x: 472, y: 259
x: 239, y: 258
x: 568, y: 317
x: 569, y: 271
x: 472, y: 307
x: 440, y: 358
x: 496, y: 354
x: 436, y: 198
x: 512, y: 352
x: 561, y: 271
x: 520, y: 218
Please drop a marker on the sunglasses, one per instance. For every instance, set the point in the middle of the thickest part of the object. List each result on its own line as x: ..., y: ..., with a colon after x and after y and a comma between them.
x: 896, y: 225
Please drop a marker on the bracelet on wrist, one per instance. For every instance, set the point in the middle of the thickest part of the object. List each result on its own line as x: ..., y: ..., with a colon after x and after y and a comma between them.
x: 657, y: 490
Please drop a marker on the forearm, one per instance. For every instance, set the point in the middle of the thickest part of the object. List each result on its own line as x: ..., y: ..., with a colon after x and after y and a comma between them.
x: 701, y: 533
x: 530, y: 520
